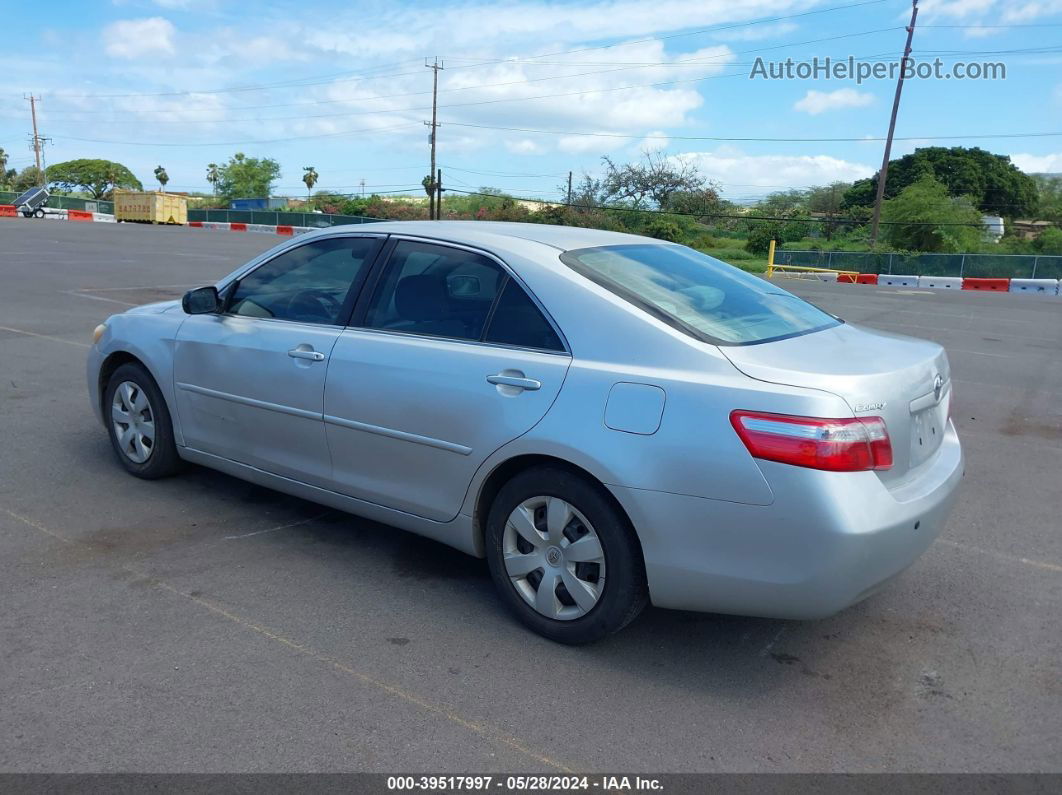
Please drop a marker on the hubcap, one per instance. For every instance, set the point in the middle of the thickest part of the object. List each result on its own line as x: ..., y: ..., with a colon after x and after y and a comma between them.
x: 553, y: 557
x: 134, y: 422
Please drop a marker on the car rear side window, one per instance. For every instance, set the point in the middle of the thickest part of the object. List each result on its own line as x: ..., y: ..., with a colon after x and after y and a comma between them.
x: 517, y: 321
x: 698, y: 294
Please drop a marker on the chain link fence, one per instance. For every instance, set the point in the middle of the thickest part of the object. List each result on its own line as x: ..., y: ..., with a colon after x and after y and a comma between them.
x: 273, y: 218
x: 984, y: 266
x: 66, y: 203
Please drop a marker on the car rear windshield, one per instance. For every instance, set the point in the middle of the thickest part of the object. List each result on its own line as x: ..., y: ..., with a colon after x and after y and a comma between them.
x: 698, y: 294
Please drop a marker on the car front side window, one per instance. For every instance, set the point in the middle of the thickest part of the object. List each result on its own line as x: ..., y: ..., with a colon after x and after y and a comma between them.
x: 306, y: 284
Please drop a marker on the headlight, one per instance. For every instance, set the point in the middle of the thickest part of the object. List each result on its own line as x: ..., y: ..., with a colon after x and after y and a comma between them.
x: 98, y: 332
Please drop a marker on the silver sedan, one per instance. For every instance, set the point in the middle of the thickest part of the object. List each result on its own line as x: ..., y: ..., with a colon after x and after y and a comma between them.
x: 608, y: 419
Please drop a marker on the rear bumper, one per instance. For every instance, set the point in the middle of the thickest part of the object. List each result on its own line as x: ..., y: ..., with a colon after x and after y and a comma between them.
x: 828, y: 540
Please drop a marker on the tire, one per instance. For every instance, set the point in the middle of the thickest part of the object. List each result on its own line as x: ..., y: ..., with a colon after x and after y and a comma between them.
x: 148, y: 452
x: 38, y: 213
x: 610, y: 586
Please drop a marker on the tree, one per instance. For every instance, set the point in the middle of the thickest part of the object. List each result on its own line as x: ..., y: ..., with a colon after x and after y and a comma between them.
x: 702, y: 204
x: 29, y: 177
x: 213, y: 176
x: 429, y: 186
x: 162, y: 177
x: 1049, y: 241
x: 761, y: 233
x: 3, y: 161
x: 993, y: 183
x: 247, y: 177
x: 1050, y: 197
x: 782, y: 202
x: 309, y: 176
x: 925, y: 218
x: 653, y: 181
x: 97, y: 177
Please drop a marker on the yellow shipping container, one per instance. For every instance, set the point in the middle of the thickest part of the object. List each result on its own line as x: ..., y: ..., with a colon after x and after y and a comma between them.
x: 153, y: 207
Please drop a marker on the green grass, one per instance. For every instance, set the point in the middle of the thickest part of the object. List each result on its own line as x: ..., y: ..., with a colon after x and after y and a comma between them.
x: 739, y: 258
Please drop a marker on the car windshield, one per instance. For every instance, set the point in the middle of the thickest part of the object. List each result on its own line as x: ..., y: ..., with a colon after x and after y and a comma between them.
x: 698, y: 294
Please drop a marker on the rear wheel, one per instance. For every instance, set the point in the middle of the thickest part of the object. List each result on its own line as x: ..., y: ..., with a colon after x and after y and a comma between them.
x: 38, y: 213
x: 563, y: 558
x: 139, y: 423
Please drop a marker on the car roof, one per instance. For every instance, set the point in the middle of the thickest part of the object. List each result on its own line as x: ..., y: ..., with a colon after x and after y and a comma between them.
x: 563, y: 238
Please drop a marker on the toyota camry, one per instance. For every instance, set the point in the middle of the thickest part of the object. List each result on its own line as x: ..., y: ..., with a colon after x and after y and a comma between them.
x: 609, y: 420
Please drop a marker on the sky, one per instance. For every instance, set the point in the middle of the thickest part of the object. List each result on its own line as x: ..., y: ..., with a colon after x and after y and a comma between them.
x: 529, y: 89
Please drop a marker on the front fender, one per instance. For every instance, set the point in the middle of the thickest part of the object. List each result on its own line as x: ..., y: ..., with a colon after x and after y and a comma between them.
x: 148, y: 337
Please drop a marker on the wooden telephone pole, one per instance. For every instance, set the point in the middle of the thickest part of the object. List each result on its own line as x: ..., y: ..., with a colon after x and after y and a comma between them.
x: 883, y: 174
x: 434, y: 124
x: 36, y: 138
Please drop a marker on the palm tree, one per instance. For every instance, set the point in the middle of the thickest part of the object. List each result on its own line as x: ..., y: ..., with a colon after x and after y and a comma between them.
x: 162, y: 177
x: 3, y: 161
x: 213, y: 176
x: 310, y: 178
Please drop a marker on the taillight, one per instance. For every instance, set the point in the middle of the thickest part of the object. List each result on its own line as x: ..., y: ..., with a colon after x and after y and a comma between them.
x: 837, y: 445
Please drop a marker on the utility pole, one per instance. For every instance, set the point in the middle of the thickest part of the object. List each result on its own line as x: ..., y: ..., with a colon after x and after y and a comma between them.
x: 434, y: 124
x: 883, y: 174
x: 569, y: 189
x: 438, y: 195
x: 36, y: 138
x: 363, y: 187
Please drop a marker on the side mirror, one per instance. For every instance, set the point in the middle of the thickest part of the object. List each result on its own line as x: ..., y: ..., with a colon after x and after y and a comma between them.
x: 201, y: 301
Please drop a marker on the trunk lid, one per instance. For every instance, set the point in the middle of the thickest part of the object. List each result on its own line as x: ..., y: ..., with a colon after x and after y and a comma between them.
x: 904, y: 380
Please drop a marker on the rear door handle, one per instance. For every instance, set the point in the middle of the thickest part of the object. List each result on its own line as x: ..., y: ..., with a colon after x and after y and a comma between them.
x: 530, y: 384
x: 302, y: 353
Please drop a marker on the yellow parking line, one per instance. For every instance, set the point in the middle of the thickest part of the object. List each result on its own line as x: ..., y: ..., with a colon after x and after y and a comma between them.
x: 483, y: 730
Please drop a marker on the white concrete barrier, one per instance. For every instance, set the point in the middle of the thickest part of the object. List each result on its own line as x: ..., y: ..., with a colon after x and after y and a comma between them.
x: 826, y: 277
x: 1035, y: 286
x: 104, y: 218
x: 941, y: 282
x: 891, y: 280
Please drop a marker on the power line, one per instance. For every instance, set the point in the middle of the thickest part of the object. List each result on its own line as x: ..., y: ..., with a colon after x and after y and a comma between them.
x: 716, y: 29
x: 240, y: 143
x: 754, y: 139
x: 293, y: 83
x: 301, y: 82
x: 685, y: 63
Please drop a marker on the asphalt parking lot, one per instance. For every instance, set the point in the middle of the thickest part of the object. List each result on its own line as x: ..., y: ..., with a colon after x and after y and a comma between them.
x: 204, y: 624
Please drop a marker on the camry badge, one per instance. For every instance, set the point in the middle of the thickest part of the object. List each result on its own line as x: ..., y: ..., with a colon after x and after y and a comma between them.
x: 870, y: 406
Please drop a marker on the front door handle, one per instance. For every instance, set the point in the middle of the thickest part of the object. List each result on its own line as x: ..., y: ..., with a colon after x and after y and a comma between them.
x: 530, y: 384
x: 303, y: 353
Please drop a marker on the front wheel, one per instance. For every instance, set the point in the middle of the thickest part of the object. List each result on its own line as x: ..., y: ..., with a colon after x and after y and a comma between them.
x: 38, y: 213
x: 563, y: 557
x: 139, y: 423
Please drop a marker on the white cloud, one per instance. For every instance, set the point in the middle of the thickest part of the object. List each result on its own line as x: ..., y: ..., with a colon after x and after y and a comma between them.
x: 580, y: 91
x: 523, y: 146
x: 986, y: 12
x: 1039, y: 164
x: 742, y: 174
x: 816, y: 102
x: 135, y: 38
x: 953, y: 9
